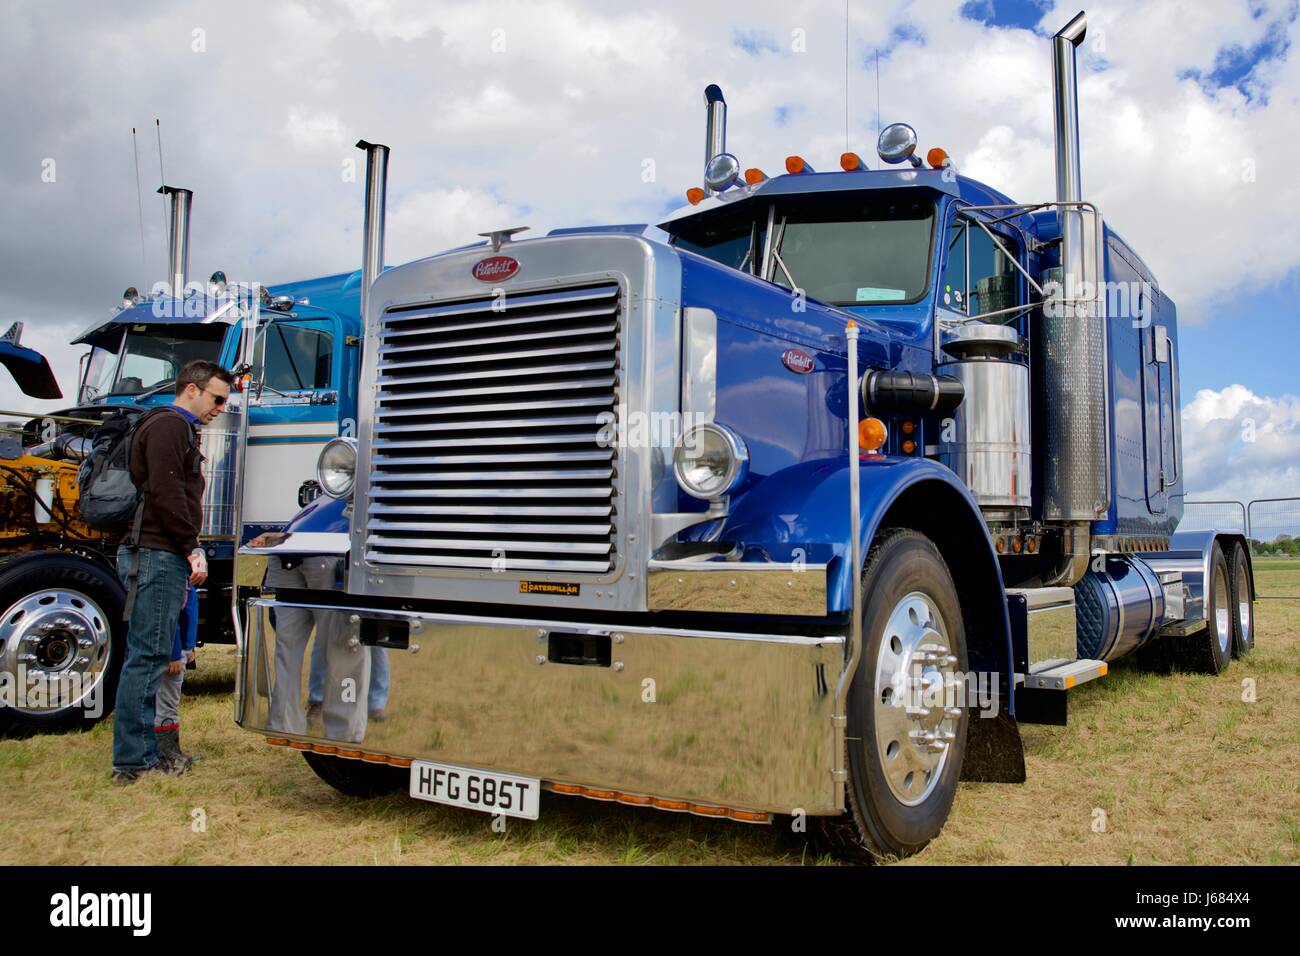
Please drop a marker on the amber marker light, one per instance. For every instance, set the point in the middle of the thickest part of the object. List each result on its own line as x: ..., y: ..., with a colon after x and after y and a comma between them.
x: 694, y: 195
x: 937, y: 158
x: 909, y: 446
x: 908, y: 427
x: 754, y: 176
x: 871, y: 435
x: 797, y: 164
x: 851, y: 162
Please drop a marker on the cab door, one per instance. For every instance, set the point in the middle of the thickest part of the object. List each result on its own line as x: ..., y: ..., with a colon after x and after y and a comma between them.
x: 293, y: 412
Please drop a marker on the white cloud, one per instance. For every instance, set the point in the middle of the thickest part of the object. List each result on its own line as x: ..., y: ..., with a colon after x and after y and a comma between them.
x: 1240, y: 446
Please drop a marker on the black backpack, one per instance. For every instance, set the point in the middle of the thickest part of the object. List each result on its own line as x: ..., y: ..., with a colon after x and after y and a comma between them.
x: 109, y: 498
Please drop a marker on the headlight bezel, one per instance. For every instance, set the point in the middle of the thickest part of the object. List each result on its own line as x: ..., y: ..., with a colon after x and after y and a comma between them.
x: 737, y: 465
x: 333, y: 446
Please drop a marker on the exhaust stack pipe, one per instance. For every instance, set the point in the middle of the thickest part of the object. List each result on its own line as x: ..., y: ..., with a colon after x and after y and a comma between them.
x: 178, y: 238
x: 715, y: 126
x: 372, y: 252
x: 1065, y: 103
x: 1077, y: 459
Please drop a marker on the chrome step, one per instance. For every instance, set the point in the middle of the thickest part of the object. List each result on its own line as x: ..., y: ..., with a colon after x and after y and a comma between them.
x: 1064, y: 675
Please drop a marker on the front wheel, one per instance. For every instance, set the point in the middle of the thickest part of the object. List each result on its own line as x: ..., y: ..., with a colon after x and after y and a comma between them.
x: 62, y: 641
x: 357, y: 778
x: 906, y: 723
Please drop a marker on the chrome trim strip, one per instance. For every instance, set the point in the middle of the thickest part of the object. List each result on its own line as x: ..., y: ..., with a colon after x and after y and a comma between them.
x: 306, y: 542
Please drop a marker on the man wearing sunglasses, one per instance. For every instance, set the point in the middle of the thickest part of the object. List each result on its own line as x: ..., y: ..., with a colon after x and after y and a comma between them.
x: 156, y: 561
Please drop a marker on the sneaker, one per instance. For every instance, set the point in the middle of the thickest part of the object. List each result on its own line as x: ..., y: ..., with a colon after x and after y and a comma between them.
x: 169, y: 767
x: 123, y: 777
x: 313, y: 709
x: 378, y: 715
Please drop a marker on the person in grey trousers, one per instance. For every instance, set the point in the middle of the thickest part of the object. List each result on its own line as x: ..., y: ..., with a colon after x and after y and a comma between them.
x: 347, y: 668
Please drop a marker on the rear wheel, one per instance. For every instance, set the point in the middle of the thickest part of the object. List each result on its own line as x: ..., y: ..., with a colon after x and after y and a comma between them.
x: 1243, y: 608
x: 62, y: 641
x: 906, y: 729
x: 357, y: 778
x: 1209, y: 650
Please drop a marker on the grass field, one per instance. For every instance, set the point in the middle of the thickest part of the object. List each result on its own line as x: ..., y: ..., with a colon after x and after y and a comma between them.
x: 1152, y: 769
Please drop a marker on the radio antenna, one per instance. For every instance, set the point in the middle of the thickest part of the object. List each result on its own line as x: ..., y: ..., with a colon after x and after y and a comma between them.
x: 162, y: 181
x: 878, y: 120
x: 139, y: 200
x: 846, y: 76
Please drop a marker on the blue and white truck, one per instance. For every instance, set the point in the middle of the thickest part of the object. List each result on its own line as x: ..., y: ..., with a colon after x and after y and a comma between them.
x: 62, y: 640
x: 795, y: 505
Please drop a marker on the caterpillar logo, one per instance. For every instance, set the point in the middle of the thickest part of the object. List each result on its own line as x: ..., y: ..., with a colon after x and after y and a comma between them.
x: 548, y: 587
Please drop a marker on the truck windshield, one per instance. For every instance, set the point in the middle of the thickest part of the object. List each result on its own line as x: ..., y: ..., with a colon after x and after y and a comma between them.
x: 839, y: 248
x: 152, y: 355
x: 856, y: 251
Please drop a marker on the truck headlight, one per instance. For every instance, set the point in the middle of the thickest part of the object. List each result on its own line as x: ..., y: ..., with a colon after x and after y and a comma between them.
x: 710, y: 461
x: 336, y: 468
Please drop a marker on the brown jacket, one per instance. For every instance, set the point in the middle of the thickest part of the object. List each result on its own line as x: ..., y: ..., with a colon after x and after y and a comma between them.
x: 167, y: 467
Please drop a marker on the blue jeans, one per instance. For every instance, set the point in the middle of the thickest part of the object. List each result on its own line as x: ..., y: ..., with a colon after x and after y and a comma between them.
x: 160, y: 592
x: 376, y: 697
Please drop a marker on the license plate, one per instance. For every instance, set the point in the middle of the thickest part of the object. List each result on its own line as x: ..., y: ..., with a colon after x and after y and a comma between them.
x: 476, y: 789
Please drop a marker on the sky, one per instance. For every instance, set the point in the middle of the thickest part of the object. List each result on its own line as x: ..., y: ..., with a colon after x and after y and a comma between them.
x: 568, y: 112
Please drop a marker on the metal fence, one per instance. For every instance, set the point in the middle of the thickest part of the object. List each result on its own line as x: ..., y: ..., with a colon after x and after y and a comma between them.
x: 1272, y: 525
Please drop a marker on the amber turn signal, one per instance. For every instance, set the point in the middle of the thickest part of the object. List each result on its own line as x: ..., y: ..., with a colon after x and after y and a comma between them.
x: 871, y: 435
x: 694, y: 195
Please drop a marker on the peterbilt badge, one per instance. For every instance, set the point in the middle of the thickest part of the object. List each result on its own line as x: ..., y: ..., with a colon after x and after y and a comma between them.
x: 797, y: 360
x: 495, y: 268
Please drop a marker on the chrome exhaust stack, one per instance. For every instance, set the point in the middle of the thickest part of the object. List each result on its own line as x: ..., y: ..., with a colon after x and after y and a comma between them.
x: 178, y: 238
x: 715, y: 127
x: 1077, y: 460
x: 372, y: 251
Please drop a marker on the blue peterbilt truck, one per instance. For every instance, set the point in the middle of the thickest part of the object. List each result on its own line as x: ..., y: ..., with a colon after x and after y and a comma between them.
x: 922, y: 477
x: 59, y: 589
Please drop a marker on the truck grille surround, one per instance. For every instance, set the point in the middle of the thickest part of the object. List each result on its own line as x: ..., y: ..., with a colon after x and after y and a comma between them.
x: 487, y: 450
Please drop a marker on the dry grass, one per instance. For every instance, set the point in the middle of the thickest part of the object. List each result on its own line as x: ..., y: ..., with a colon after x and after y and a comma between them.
x: 1184, y: 770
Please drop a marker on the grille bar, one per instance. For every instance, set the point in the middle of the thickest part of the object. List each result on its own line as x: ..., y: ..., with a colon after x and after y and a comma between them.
x: 486, y: 434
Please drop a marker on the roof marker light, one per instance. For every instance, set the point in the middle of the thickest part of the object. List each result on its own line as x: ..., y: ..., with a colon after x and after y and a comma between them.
x: 754, y: 176
x: 851, y: 162
x: 937, y: 158
x: 694, y: 195
x: 797, y: 164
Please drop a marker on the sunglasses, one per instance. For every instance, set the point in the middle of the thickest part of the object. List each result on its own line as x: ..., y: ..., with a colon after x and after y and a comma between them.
x: 219, y: 399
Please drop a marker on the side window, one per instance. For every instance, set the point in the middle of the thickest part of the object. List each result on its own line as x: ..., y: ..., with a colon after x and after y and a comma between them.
x: 953, y: 286
x: 978, y: 277
x: 994, y: 281
x: 294, y: 358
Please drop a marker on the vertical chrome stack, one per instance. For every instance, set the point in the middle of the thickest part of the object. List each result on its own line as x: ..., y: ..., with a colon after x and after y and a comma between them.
x: 1074, y: 350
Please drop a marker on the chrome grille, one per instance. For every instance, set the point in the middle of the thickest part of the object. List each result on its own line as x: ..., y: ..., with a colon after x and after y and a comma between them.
x: 486, y: 450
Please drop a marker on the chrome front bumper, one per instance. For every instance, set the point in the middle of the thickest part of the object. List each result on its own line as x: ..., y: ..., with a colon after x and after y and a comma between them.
x: 737, y: 720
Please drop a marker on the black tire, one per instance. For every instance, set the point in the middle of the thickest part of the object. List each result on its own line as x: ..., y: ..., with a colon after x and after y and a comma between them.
x: 89, y: 598
x: 1243, y: 607
x: 1209, y: 650
x: 357, y: 778
x: 880, y: 823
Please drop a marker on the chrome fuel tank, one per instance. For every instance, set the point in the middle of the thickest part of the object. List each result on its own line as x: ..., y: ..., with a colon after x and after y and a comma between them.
x: 990, y: 444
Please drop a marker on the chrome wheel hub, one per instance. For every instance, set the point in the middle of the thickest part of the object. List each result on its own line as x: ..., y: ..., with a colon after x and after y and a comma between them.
x: 1222, y: 610
x: 55, y: 645
x: 915, y: 698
